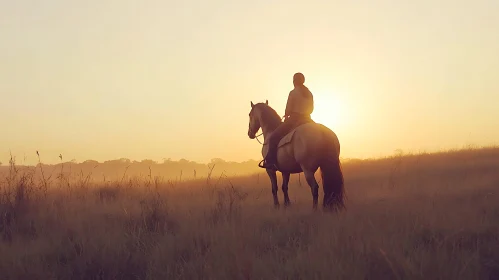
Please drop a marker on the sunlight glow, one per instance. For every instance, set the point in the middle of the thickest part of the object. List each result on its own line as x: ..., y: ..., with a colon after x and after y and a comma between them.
x: 328, y: 109
x: 81, y: 79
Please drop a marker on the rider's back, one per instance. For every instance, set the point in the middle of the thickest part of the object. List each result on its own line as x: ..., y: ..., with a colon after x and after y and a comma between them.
x: 300, y: 101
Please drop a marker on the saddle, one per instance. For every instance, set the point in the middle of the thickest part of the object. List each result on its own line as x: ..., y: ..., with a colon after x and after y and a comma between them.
x: 285, y: 140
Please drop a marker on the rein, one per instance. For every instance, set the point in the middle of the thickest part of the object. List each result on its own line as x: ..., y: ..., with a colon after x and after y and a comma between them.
x: 256, y: 137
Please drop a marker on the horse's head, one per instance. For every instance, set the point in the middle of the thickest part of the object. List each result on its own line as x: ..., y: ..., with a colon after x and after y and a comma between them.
x: 254, y: 118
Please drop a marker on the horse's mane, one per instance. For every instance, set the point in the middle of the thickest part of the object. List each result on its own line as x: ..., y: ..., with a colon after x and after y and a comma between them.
x: 270, y: 116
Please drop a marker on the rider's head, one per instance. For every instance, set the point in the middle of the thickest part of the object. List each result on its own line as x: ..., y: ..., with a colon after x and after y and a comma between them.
x: 298, y: 79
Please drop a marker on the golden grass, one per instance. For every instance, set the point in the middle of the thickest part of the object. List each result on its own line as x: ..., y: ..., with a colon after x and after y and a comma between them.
x: 428, y: 216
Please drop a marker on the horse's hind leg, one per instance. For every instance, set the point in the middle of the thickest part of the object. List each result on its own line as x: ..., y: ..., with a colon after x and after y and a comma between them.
x: 285, y: 182
x: 314, y: 186
x: 273, y: 180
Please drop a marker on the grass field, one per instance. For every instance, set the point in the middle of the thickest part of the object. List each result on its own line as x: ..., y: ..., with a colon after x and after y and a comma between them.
x: 427, y: 216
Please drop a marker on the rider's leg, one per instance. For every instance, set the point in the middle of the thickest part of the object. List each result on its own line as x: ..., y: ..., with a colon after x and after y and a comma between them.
x: 271, y: 157
x: 275, y: 137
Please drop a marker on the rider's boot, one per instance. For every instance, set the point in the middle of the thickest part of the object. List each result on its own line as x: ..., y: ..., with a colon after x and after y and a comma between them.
x: 269, y: 163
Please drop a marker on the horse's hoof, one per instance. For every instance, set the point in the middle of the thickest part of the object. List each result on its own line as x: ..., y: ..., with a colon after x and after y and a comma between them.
x: 287, y: 204
x: 277, y: 206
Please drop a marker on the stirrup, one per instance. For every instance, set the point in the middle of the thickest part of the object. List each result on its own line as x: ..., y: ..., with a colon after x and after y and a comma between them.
x: 273, y: 166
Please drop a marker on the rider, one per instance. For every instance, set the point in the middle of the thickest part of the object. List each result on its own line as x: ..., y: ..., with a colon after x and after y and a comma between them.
x: 299, y: 107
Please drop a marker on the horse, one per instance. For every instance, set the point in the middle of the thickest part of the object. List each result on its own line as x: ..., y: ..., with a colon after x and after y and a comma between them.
x: 306, y: 148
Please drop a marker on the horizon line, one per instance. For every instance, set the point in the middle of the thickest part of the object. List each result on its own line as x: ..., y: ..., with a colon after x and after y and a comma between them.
x: 397, y: 152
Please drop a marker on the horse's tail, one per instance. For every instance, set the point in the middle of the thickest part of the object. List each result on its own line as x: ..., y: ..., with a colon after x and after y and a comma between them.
x: 332, y: 175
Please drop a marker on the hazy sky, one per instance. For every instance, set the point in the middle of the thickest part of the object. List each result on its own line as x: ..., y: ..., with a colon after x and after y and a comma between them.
x: 174, y: 79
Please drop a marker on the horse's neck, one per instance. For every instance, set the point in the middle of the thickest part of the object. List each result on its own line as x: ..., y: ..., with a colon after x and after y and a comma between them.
x: 267, y: 129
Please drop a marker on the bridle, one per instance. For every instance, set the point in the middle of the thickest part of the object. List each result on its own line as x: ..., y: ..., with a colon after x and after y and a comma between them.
x: 256, y: 136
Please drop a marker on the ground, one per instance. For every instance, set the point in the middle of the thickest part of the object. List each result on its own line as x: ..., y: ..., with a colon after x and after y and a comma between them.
x: 427, y: 216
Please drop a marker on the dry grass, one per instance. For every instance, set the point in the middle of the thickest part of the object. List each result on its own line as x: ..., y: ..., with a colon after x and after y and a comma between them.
x: 411, y: 217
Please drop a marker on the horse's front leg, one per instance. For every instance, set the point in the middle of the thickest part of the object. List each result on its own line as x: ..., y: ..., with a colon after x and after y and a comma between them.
x: 273, y: 181
x: 285, y: 182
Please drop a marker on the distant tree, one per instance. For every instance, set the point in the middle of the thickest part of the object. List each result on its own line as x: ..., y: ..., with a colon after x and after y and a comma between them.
x: 217, y: 161
x: 125, y: 160
x: 399, y: 152
x: 148, y: 162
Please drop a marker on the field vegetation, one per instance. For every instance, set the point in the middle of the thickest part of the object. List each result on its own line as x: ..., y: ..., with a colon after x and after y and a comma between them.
x: 421, y: 216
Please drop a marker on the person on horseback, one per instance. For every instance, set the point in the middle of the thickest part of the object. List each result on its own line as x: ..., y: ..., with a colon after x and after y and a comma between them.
x: 299, y: 107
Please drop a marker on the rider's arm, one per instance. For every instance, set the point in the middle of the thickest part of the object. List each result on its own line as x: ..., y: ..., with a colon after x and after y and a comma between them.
x: 288, y: 106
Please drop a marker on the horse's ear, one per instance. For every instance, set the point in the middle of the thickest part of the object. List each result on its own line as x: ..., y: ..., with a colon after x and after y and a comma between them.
x: 267, y: 102
x: 252, y: 105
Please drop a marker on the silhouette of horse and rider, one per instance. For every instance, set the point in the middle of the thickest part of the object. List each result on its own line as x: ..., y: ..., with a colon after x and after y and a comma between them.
x: 299, y: 145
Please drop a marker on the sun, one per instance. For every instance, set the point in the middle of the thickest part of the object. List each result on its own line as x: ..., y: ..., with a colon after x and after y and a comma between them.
x: 328, y: 109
